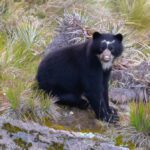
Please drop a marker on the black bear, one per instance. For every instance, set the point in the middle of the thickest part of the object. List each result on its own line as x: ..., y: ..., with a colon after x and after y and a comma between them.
x: 82, y: 70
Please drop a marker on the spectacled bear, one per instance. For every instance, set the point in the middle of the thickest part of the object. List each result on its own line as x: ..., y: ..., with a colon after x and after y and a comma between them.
x: 82, y: 70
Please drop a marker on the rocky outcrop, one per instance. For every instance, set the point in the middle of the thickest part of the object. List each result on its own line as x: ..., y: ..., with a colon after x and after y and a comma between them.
x: 16, y: 134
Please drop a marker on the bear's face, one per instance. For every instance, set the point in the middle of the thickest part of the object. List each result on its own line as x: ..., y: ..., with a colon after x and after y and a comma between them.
x: 107, y: 47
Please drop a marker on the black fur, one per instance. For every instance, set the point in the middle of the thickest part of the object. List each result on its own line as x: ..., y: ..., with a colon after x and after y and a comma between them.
x: 71, y: 72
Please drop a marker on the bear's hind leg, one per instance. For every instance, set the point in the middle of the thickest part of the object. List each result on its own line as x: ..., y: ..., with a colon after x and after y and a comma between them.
x: 72, y: 100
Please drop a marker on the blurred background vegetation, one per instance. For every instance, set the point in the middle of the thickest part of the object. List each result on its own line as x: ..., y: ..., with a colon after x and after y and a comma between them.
x: 28, y: 26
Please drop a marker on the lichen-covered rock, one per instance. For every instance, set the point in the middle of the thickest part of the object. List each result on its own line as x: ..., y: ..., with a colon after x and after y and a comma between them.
x: 16, y: 134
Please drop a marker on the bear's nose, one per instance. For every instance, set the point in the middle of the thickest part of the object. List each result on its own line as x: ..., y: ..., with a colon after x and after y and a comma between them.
x: 106, y: 57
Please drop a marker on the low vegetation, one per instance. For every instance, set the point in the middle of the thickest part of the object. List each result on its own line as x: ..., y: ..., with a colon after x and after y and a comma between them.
x: 136, y: 12
x: 140, y: 117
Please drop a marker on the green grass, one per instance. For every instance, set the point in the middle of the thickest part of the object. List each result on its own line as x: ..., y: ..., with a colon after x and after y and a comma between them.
x: 136, y: 12
x: 19, y: 61
x: 140, y: 116
x: 28, y: 33
x: 2, y: 41
x: 13, y: 94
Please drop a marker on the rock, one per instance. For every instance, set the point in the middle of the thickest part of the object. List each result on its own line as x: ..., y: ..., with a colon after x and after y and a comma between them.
x: 121, y: 95
x: 111, y: 147
x: 16, y: 134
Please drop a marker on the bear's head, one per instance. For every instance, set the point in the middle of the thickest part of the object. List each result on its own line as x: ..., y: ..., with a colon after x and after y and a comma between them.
x: 107, y: 47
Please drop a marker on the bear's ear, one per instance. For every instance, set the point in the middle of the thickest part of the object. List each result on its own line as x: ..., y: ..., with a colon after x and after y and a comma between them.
x: 96, y: 35
x: 119, y: 37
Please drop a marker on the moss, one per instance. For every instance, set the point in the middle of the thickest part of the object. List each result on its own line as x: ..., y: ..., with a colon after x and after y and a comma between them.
x: 96, y: 130
x: 131, y: 145
x: 47, y: 122
x: 22, y: 143
x: 56, y: 146
x: 119, y: 142
x: 95, y: 139
x: 12, y: 129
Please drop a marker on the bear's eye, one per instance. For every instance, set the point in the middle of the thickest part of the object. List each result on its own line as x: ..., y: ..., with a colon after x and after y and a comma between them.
x: 111, y: 48
x: 103, y: 46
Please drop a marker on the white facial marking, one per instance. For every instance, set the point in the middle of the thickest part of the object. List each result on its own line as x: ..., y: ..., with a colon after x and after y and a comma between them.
x: 107, y: 65
x: 108, y: 42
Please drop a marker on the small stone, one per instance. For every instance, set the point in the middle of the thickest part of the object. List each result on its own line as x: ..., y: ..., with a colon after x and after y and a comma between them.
x: 71, y: 113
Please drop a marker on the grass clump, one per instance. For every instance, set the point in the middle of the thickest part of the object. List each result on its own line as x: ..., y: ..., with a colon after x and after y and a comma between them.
x: 13, y: 95
x: 140, y: 116
x: 35, y: 105
x: 138, y: 132
x: 28, y: 33
x: 136, y: 12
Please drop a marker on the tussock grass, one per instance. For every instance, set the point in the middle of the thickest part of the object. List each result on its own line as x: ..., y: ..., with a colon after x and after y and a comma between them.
x: 136, y: 12
x: 27, y: 33
x: 140, y: 116
x: 139, y: 130
x: 13, y: 95
x: 36, y: 105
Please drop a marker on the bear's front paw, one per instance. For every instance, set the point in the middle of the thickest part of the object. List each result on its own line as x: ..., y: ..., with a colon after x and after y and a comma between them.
x: 111, y: 118
x: 112, y: 110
